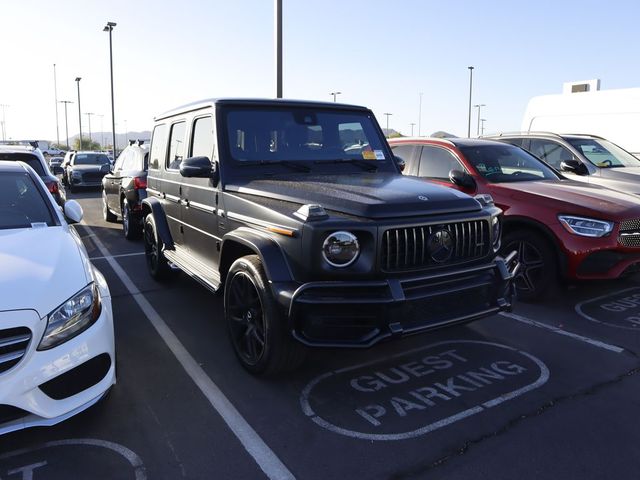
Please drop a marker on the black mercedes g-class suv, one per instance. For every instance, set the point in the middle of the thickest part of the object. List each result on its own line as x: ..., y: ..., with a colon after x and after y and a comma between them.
x: 298, y: 209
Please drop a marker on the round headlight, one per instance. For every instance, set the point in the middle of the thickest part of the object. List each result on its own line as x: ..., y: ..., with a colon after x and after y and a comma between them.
x: 340, y: 249
x: 497, y: 230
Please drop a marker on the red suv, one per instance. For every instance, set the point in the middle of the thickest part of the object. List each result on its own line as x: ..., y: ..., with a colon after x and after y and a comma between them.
x: 561, y: 228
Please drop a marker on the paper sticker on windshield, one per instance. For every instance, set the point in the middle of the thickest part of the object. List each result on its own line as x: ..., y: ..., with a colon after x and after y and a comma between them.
x: 379, y: 154
x: 368, y: 155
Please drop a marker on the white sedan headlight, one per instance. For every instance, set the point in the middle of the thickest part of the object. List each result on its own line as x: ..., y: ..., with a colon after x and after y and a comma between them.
x: 72, y: 317
x: 586, y: 227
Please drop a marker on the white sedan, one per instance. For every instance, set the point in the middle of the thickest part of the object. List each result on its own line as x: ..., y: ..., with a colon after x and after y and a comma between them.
x: 57, y: 354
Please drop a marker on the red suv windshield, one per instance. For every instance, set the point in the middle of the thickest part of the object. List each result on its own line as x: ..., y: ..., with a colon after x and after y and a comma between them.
x: 505, y: 163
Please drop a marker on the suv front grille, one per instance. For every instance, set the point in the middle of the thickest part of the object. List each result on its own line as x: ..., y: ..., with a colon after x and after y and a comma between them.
x: 92, y: 177
x: 408, y: 248
x: 630, y: 233
x: 13, y: 345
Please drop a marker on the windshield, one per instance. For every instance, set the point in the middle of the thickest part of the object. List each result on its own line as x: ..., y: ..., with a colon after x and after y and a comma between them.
x: 603, y: 153
x: 21, y: 202
x: 27, y: 158
x: 294, y: 134
x: 91, y: 159
x: 506, y: 163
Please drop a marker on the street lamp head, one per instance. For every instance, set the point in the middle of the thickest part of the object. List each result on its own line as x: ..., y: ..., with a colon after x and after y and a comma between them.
x: 78, y: 79
x: 470, y: 68
x: 109, y: 26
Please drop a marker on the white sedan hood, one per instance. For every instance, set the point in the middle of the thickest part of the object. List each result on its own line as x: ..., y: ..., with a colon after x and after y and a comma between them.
x: 40, y: 268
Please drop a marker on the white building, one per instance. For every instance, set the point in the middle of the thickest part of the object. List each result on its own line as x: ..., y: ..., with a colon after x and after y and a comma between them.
x: 584, y: 108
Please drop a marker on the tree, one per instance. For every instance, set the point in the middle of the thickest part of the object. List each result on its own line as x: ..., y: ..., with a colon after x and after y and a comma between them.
x: 87, y: 144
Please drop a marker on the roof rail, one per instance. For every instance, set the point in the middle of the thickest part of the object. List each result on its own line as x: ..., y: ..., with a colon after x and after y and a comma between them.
x: 540, y: 132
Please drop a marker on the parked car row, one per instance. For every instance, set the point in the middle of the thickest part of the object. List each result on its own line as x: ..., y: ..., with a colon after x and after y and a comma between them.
x: 318, y: 231
x: 561, y: 228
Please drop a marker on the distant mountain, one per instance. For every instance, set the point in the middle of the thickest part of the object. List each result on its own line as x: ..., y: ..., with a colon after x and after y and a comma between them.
x: 105, y: 138
x: 443, y: 134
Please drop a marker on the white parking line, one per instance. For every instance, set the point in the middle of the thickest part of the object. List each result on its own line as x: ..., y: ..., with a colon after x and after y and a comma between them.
x: 117, y: 256
x: 559, y: 331
x: 266, y: 459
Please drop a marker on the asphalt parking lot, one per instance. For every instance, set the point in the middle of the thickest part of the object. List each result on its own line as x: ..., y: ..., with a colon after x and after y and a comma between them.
x: 550, y: 391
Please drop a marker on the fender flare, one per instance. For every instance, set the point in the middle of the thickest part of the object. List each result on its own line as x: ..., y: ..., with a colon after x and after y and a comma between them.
x: 273, y: 258
x: 152, y: 206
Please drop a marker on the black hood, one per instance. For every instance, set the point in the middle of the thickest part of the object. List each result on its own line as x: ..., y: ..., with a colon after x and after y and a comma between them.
x: 375, y: 195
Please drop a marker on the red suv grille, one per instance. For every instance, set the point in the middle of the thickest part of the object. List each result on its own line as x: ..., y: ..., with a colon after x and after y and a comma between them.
x: 630, y: 233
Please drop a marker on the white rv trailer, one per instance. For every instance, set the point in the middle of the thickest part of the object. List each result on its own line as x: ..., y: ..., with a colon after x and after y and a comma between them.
x: 584, y: 108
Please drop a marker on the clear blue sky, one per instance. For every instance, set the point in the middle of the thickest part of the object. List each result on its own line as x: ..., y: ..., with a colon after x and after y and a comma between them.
x: 378, y: 53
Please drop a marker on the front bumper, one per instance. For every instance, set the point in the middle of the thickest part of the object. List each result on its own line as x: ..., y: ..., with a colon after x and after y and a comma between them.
x: 47, y: 387
x: 361, y: 314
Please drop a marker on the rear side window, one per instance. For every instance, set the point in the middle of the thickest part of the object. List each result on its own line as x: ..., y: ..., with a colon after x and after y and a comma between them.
x: 437, y: 162
x: 22, y: 204
x: 202, y: 139
x: 176, y: 146
x: 31, y: 160
x: 158, y: 146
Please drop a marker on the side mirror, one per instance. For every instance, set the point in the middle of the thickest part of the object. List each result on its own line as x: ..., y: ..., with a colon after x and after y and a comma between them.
x: 573, y: 166
x: 196, y: 167
x: 57, y: 170
x: 400, y: 163
x: 462, y: 179
x: 72, y: 211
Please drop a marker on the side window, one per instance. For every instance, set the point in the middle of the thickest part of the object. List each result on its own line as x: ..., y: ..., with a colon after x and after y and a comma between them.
x: 551, y: 152
x: 176, y: 145
x: 437, y: 162
x: 202, y: 138
x: 514, y: 141
x: 122, y: 160
x: 405, y: 152
x: 131, y: 162
x: 158, y: 146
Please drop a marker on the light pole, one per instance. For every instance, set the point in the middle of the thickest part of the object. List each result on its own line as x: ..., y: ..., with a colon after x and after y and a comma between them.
x: 278, y: 46
x: 412, y: 124
x: 4, y: 121
x: 66, y: 125
x: 420, y: 115
x: 79, y: 111
x: 335, y: 94
x: 89, y: 119
x: 479, y: 106
x: 55, y: 95
x: 482, y: 127
x: 101, y: 129
x: 388, y: 115
x: 109, y: 28
x: 470, y: 90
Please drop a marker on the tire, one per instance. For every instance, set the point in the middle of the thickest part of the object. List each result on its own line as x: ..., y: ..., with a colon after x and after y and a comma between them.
x: 130, y: 223
x: 538, y: 274
x: 157, y: 264
x: 257, y: 328
x: 107, y: 215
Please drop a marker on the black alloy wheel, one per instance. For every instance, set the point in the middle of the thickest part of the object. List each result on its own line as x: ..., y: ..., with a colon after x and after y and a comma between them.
x: 537, y: 275
x: 106, y: 213
x: 257, y: 328
x: 246, y: 326
x: 130, y: 223
x: 157, y: 264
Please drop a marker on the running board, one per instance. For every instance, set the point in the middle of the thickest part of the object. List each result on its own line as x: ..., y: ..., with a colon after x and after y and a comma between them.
x: 201, y: 273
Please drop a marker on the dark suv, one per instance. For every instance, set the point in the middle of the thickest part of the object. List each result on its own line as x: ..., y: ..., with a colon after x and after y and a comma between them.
x: 86, y: 169
x: 124, y: 189
x: 299, y: 210
x: 585, y: 158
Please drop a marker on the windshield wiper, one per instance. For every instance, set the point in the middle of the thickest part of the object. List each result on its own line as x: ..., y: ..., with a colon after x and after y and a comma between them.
x: 287, y: 163
x: 367, y: 165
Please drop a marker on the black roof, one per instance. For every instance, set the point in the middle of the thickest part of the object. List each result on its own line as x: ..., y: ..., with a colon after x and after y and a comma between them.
x: 262, y: 102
